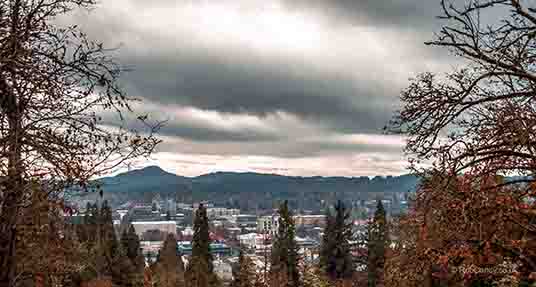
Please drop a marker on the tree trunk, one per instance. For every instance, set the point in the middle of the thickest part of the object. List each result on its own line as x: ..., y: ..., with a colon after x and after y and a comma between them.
x: 14, y: 189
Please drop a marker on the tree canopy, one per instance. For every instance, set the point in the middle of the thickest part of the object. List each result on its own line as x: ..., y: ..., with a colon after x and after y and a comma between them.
x: 56, y: 85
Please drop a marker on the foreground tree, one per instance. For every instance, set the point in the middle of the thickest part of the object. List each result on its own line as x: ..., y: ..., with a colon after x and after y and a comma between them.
x: 125, y: 272
x: 284, y: 258
x: 131, y: 243
x: 131, y: 265
x: 335, y: 258
x: 377, y: 245
x: 55, y: 84
x: 478, y: 121
x: 480, y: 115
x: 48, y: 249
x: 463, y: 223
x: 169, y: 267
x: 108, y: 240
x: 200, y: 270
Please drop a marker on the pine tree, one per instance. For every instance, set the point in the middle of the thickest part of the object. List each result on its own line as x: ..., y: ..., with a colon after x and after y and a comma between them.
x: 108, y: 240
x: 335, y: 257
x: 200, y: 270
x: 130, y: 251
x: 284, y: 265
x: 89, y: 229
x: 244, y: 275
x: 377, y: 243
x: 131, y: 243
x: 170, y: 268
x: 124, y: 273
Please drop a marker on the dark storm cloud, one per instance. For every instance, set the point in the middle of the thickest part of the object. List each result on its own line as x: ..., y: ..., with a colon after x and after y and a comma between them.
x: 190, y: 128
x: 414, y: 14
x: 235, y: 86
x: 204, y: 133
x: 233, y: 82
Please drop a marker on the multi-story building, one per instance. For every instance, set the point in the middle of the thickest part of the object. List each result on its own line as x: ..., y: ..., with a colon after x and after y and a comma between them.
x: 143, y: 213
x: 268, y: 224
x: 214, y: 212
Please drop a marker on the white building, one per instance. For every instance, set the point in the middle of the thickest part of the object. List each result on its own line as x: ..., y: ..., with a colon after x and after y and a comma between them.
x: 163, y: 226
x: 268, y: 224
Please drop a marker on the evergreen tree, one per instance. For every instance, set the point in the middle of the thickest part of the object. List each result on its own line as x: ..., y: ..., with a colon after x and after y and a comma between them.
x: 124, y: 271
x: 284, y: 265
x: 335, y: 257
x: 131, y: 252
x: 131, y: 243
x: 170, y: 268
x: 200, y: 271
x: 377, y: 243
x: 88, y: 232
x: 243, y: 276
x: 108, y: 245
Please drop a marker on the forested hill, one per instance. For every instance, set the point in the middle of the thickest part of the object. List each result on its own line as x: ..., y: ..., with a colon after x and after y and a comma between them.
x: 224, y: 185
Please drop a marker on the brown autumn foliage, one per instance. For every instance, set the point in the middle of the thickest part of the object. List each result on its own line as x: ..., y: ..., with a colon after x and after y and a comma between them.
x: 47, y: 247
x: 475, y: 126
x: 55, y: 86
x: 465, y: 222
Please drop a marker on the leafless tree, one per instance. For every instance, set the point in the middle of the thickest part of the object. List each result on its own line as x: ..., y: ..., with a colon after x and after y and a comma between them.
x: 479, y: 121
x: 483, y: 114
x: 55, y: 84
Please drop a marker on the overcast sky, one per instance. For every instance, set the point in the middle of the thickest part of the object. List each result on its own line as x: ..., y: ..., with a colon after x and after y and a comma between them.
x: 297, y: 87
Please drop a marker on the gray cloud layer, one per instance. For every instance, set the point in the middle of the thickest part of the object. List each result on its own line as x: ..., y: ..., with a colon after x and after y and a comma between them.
x: 414, y: 14
x: 345, y: 82
x: 206, y: 82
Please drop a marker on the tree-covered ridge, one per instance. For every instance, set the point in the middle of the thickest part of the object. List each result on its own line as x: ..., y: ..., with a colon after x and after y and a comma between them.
x: 249, y: 190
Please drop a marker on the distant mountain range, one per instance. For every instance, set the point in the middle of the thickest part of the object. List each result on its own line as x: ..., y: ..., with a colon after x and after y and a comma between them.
x: 220, y: 184
x: 250, y: 190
